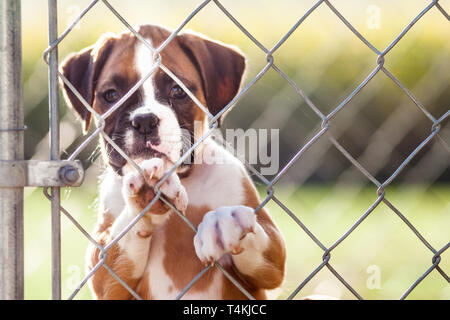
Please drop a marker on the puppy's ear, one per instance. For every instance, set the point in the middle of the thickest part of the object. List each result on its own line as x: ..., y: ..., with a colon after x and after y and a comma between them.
x: 82, y: 70
x: 221, y: 67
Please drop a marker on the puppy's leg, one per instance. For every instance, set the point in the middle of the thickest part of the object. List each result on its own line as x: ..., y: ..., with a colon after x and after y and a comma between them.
x: 128, y: 256
x: 253, y: 241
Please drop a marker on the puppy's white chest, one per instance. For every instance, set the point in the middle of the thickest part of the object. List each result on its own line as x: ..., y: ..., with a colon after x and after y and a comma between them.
x: 216, y: 186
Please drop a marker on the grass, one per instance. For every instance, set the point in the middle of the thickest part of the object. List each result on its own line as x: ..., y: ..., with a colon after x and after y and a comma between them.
x: 380, y: 259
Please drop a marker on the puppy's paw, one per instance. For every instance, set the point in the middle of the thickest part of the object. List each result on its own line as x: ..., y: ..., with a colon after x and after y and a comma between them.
x: 175, y: 192
x: 222, y: 231
x: 171, y: 188
x: 134, y: 181
x: 138, y: 188
x: 153, y: 168
x: 132, y: 184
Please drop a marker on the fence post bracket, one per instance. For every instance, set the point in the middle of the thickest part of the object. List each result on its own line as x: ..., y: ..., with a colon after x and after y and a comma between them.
x: 34, y: 173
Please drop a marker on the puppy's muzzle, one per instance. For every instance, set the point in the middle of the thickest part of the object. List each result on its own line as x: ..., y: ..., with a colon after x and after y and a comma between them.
x: 146, y: 124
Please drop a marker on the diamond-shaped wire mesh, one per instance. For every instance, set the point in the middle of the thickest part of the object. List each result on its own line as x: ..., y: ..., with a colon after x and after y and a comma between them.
x: 322, y: 133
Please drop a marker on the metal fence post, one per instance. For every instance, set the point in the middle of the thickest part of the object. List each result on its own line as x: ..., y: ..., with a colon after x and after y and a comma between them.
x: 54, y: 148
x: 11, y: 148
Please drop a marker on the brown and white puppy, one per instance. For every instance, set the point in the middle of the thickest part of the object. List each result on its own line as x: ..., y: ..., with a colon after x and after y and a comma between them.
x: 161, y: 254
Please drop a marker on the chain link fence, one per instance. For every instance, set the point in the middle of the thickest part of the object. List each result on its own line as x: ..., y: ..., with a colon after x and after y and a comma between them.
x: 322, y: 133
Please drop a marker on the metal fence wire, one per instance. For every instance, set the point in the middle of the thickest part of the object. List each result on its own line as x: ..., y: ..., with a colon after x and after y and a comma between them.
x: 380, y: 56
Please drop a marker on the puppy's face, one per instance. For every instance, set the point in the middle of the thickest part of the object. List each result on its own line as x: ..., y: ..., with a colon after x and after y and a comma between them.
x: 159, y: 119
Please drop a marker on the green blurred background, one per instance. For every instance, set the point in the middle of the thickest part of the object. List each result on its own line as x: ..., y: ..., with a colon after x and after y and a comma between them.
x: 380, y: 128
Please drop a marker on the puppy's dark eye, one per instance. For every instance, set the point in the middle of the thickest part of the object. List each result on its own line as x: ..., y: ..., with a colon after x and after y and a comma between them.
x: 177, y: 93
x: 111, y: 96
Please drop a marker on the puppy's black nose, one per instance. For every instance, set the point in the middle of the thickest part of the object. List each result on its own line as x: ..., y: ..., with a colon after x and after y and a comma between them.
x: 145, y: 123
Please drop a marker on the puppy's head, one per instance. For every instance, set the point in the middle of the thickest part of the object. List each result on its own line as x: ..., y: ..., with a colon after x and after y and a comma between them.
x: 159, y: 119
